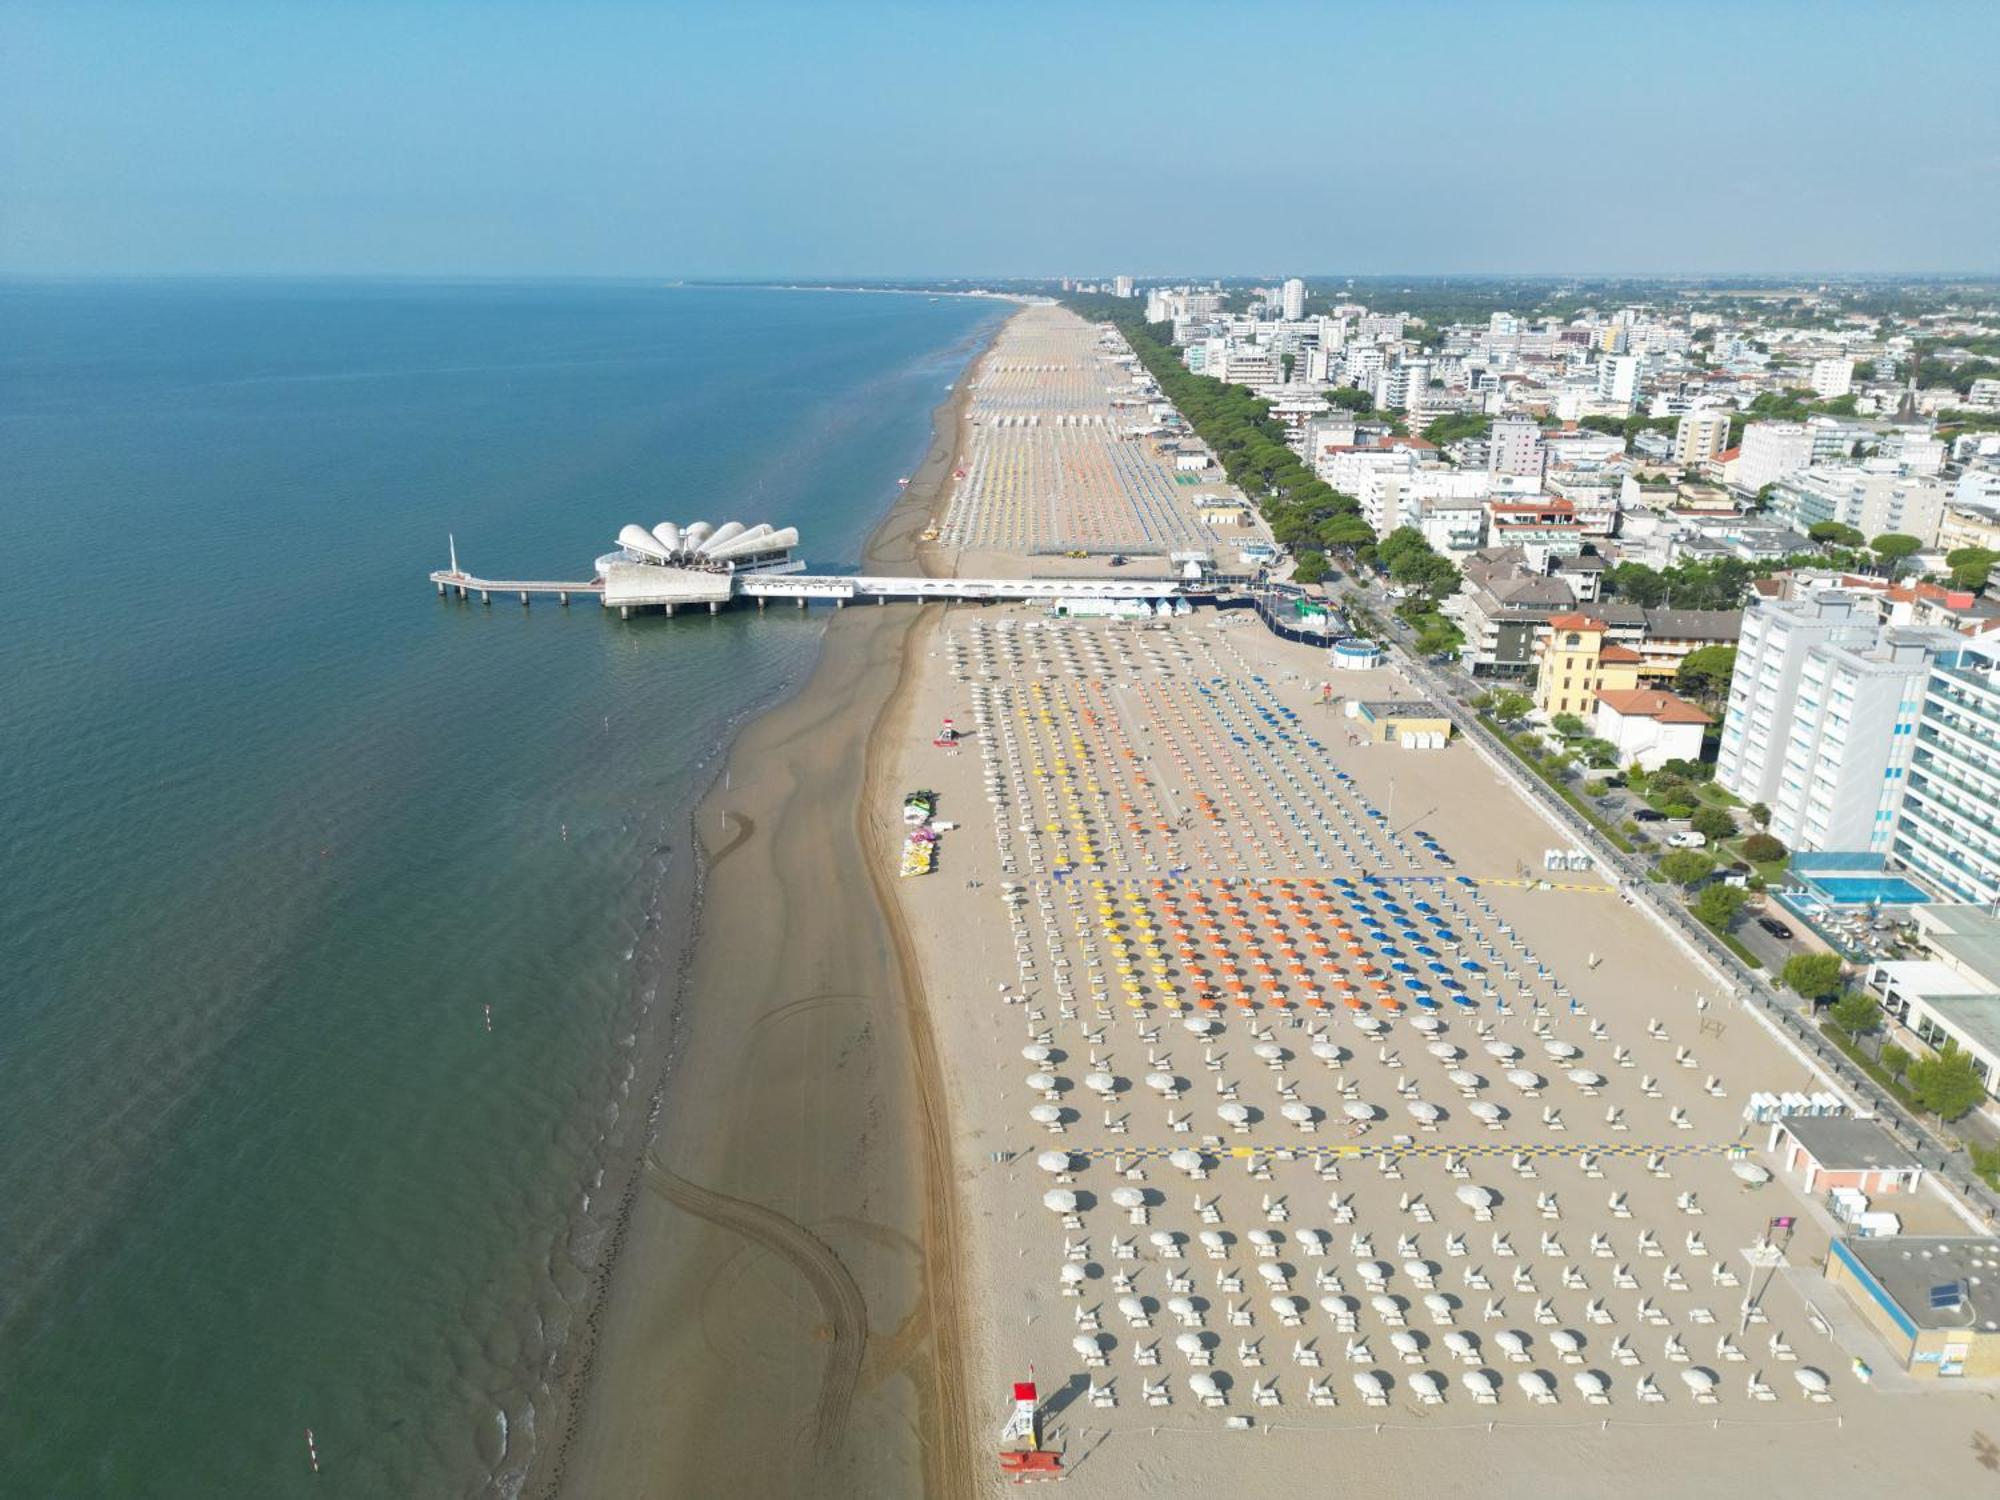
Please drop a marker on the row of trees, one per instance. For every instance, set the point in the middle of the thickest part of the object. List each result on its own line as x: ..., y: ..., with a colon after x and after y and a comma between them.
x: 1305, y: 513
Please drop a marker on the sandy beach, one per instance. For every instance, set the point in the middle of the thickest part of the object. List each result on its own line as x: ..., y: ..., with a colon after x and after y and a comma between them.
x: 770, y: 1326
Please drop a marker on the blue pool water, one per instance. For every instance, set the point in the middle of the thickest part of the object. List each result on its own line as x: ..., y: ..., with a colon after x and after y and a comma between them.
x: 1860, y: 890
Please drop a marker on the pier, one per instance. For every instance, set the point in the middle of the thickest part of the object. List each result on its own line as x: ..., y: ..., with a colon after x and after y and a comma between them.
x: 670, y: 589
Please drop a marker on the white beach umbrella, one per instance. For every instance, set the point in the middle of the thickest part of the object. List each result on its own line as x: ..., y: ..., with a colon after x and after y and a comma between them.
x: 1312, y: 1237
x: 1199, y: 1025
x: 1386, y: 1306
x: 1590, y: 1382
x: 1129, y: 1197
x: 1583, y: 1078
x: 1268, y: 1052
x: 1464, y: 1345
x: 1445, y: 1051
x: 1204, y: 1385
x: 1071, y: 1274
x: 1054, y: 1161
x: 1405, y: 1342
x: 1188, y: 1343
x: 1465, y: 1078
x: 1430, y: 1114
x: 1185, y: 1160
x: 1750, y: 1172
x: 1286, y: 1307
x: 1132, y: 1307
x: 1163, y: 1083
x: 1428, y: 1383
x: 1336, y: 1305
x: 1502, y: 1050
x: 1698, y: 1380
x: 1297, y: 1113
x: 1354, y: 1109
x: 1035, y: 1052
x: 1369, y: 1024
x: 1479, y: 1382
x: 1428, y: 1025
x: 1059, y: 1200
x: 1164, y: 1239
x: 1089, y: 1345
x: 1512, y: 1340
x: 1534, y: 1383
x: 1272, y: 1273
x: 1560, y: 1050
x: 1490, y: 1113
x: 1041, y: 1083
x: 1213, y: 1239
x: 1567, y: 1341
x: 1046, y: 1114
x: 1524, y: 1079
x: 1371, y: 1382
x: 1262, y: 1237
x: 1100, y: 1083
x: 1417, y: 1270
x: 1181, y: 1307
x: 1374, y: 1272
x: 1811, y: 1380
x: 1474, y: 1196
x: 1234, y: 1114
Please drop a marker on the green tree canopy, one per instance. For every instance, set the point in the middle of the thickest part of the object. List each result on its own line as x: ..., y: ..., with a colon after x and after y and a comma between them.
x: 1686, y: 867
x: 1948, y: 1085
x: 1509, y: 706
x: 1971, y: 566
x: 1813, y: 976
x: 1713, y: 824
x: 1311, y: 568
x: 1704, y: 673
x: 1856, y: 1013
x: 1761, y: 848
x: 1894, y: 548
x: 1717, y: 905
x: 1836, y: 533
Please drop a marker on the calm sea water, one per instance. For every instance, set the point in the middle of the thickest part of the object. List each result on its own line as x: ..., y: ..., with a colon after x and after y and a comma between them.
x: 279, y: 826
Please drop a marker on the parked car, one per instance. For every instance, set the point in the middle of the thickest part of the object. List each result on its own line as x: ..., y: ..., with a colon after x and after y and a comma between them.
x: 1773, y: 926
x: 1687, y: 838
x: 1648, y: 815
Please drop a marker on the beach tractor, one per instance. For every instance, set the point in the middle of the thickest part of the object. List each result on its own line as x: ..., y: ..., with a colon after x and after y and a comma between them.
x: 1023, y: 1459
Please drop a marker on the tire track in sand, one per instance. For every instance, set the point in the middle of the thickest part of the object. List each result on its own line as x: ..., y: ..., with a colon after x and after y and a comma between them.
x: 840, y: 1299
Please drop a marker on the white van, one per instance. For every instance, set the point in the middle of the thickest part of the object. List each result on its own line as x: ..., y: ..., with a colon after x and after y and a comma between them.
x: 1687, y: 838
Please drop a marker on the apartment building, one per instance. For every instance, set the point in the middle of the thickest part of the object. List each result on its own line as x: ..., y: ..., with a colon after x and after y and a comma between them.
x: 1874, y: 497
x: 1821, y: 719
x: 1772, y: 451
x: 1514, y: 448
x: 1618, y: 378
x: 1947, y: 829
x: 1699, y: 436
x: 1293, y: 300
x: 1831, y: 378
x: 1579, y: 662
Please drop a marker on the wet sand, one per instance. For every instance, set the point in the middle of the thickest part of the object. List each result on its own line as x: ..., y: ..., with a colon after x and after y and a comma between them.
x: 769, y: 1325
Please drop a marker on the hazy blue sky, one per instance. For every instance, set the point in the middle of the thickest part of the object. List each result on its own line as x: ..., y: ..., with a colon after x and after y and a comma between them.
x: 585, y: 138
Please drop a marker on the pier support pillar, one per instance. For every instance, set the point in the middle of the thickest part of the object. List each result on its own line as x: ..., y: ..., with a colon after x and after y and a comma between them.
x: 485, y: 596
x: 670, y: 611
x: 624, y: 611
x: 761, y: 601
x: 562, y: 598
x: 715, y: 606
x: 461, y: 593
x: 440, y: 588
x: 881, y: 598
x: 840, y: 604
x: 524, y: 598
x: 802, y: 601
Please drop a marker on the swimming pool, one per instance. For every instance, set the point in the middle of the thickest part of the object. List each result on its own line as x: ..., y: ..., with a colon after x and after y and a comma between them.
x: 1861, y: 890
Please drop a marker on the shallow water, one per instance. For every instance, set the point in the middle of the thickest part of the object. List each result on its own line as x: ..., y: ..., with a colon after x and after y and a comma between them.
x: 281, y: 825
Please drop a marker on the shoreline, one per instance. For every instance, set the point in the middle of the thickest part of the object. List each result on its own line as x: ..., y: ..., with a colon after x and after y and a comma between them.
x: 853, y: 1272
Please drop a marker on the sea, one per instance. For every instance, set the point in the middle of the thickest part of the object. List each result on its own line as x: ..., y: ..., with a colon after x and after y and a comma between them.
x: 328, y: 907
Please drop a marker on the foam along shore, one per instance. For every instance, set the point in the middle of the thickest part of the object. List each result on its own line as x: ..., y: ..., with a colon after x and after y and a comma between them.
x: 768, y: 1328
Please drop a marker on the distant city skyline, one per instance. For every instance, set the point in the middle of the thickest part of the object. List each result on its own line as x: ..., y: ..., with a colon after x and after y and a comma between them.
x: 883, y: 140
